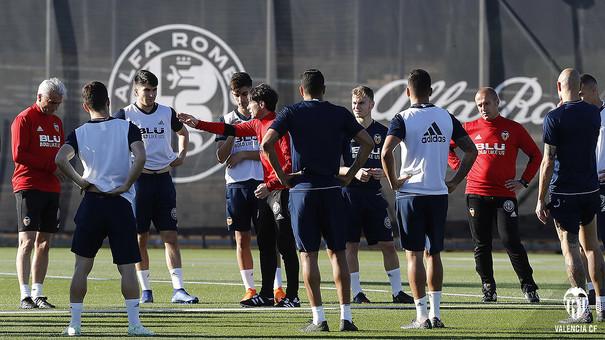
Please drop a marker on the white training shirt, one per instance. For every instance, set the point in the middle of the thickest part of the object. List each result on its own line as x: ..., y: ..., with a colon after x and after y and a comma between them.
x: 246, y: 169
x: 425, y: 131
x: 104, y: 150
x: 601, y: 142
x: 156, y: 129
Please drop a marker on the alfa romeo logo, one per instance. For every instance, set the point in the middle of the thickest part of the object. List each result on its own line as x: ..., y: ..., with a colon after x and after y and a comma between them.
x: 194, y: 68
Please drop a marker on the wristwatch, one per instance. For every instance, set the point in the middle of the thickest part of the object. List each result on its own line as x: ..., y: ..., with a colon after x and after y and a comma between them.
x: 523, y: 182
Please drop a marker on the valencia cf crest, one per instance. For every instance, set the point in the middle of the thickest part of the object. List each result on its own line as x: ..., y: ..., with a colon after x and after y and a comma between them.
x: 229, y: 221
x: 377, y: 139
x: 472, y: 212
x: 505, y: 135
x: 56, y: 126
x: 508, y: 206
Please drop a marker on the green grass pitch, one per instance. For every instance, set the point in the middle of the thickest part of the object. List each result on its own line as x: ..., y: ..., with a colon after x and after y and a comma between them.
x: 214, y: 277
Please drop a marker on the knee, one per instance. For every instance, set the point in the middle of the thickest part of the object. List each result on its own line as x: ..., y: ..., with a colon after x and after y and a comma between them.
x: 26, y: 246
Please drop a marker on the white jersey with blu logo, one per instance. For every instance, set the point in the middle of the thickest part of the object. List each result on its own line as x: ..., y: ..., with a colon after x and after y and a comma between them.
x: 104, y: 149
x: 425, y: 131
x: 156, y: 130
x: 246, y: 169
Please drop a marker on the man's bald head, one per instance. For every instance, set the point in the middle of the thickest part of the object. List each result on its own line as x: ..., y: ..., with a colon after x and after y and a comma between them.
x: 487, y: 102
x: 568, y: 84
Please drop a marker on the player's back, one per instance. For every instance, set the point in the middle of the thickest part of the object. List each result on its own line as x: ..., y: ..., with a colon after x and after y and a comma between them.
x: 317, y: 130
x: 573, y: 128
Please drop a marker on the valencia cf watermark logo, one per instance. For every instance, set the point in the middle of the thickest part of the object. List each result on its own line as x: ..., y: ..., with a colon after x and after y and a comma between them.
x: 194, y: 67
x: 377, y: 139
x: 505, y: 135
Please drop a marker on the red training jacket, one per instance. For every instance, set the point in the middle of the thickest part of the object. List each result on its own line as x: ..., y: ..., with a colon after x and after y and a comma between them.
x: 36, y: 138
x: 498, y: 142
x: 258, y: 128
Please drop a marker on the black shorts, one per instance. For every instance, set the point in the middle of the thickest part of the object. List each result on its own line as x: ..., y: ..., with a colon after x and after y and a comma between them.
x: 155, y: 202
x: 279, y: 200
x: 100, y: 216
x: 572, y: 210
x: 422, y: 221
x: 242, y: 205
x: 367, y: 211
x: 37, y: 211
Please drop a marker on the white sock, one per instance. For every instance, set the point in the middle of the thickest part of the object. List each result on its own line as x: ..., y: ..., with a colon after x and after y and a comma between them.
x: 132, y: 308
x: 248, y: 278
x: 36, y: 290
x: 277, y: 282
x: 176, y: 275
x: 25, y: 292
x: 355, y: 284
x: 435, y: 300
x: 600, y: 301
x: 345, y: 313
x: 395, y: 279
x: 590, y: 286
x: 422, y: 312
x: 318, y: 314
x: 76, y: 314
x: 143, y: 276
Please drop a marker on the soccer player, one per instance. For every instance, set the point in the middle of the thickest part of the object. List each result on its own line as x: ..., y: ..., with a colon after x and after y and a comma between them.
x: 37, y: 135
x: 262, y: 100
x: 103, y: 145
x: 243, y: 174
x: 318, y: 130
x: 569, y: 173
x: 367, y: 208
x: 424, y: 132
x: 589, y: 92
x: 491, y: 189
x: 155, y: 192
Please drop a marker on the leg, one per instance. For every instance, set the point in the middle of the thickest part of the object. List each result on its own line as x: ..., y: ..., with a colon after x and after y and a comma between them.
x: 266, y: 240
x: 570, y: 246
x: 311, y: 277
x: 481, y: 218
x: 591, y: 246
x: 416, y: 273
x: 142, y: 240
x: 351, y: 253
x: 171, y: 249
x: 78, y: 287
x: 23, y: 262
x: 40, y: 261
x: 508, y: 228
x: 242, y: 250
x: 287, y: 248
x: 389, y: 255
x: 129, y: 286
x: 434, y: 272
x: 342, y: 279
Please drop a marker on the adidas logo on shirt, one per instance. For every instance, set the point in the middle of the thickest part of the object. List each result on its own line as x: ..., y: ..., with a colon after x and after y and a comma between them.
x: 40, y: 129
x: 433, y: 135
x: 478, y: 137
x: 161, y: 122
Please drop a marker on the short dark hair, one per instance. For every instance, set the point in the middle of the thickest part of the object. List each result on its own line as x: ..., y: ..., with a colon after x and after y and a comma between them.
x: 419, y: 81
x: 95, y: 95
x: 587, y: 79
x: 265, y: 93
x: 363, y: 91
x: 312, y: 82
x: 144, y: 77
x: 239, y: 80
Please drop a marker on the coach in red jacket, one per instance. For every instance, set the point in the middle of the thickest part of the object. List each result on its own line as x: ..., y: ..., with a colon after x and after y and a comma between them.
x: 491, y: 191
x: 37, y: 135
